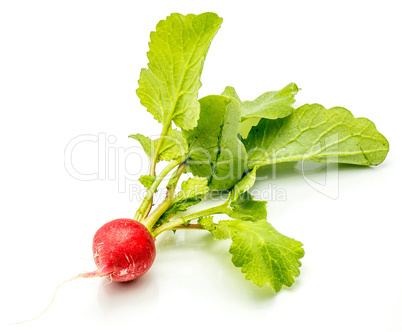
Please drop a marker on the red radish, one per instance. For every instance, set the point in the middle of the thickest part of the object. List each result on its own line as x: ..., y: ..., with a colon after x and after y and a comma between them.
x: 123, y: 250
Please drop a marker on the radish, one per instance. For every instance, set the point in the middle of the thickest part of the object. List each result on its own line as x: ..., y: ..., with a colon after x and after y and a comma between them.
x: 205, y: 141
x: 123, y: 250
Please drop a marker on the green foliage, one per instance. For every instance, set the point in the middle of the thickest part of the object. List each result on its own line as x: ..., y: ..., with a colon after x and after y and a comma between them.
x: 193, y: 191
x: 176, y: 208
x: 147, y: 144
x: 225, y: 140
x: 173, y: 145
x: 215, y: 151
x: 313, y: 132
x: 246, y: 208
x: 178, y: 47
x: 220, y: 231
x: 195, y: 187
x: 207, y: 223
x: 147, y: 180
x: 244, y: 184
x: 270, y: 105
x: 265, y: 256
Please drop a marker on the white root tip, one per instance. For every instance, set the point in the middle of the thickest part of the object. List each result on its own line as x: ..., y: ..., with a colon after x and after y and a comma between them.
x: 82, y: 275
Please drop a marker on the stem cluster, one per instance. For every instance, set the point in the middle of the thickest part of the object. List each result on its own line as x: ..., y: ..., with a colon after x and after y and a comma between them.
x: 150, y: 218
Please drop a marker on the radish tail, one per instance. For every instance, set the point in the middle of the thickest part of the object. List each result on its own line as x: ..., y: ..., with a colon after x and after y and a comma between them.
x: 93, y: 274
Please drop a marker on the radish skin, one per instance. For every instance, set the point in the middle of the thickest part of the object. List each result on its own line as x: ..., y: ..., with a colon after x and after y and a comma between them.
x: 123, y: 250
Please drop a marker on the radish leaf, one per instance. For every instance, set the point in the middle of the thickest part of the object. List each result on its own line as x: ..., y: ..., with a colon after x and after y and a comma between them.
x: 192, y: 188
x: 147, y: 180
x: 173, y: 145
x: 215, y: 150
x: 192, y: 192
x: 270, y: 105
x: 246, y: 208
x: 265, y: 256
x: 313, y: 132
x: 244, y: 184
x: 178, y: 47
x: 220, y: 231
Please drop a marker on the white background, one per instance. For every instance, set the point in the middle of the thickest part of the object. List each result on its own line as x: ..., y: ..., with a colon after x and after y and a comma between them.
x: 69, y: 68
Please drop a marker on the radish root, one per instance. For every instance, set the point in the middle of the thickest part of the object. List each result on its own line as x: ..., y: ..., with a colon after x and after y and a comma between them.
x: 93, y: 274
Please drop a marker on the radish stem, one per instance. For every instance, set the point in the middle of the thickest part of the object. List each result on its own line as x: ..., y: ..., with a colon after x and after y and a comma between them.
x: 150, y: 221
x: 145, y: 206
x: 178, y: 222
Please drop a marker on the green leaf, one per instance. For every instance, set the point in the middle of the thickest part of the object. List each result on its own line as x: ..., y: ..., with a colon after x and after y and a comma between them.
x: 244, y: 184
x: 231, y: 93
x: 265, y: 256
x: 220, y: 231
x: 176, y: 208
x: 147, y: 180
x: 207, y: 223
x: 173, y: 145
x: 178, y: 47
x: 270, y: 105
x: 192, y: 192
x: 215, y: 150
x: 192, y: 188
x: 147, y: 144
x: 318, y: 134
x: 245, y: 208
